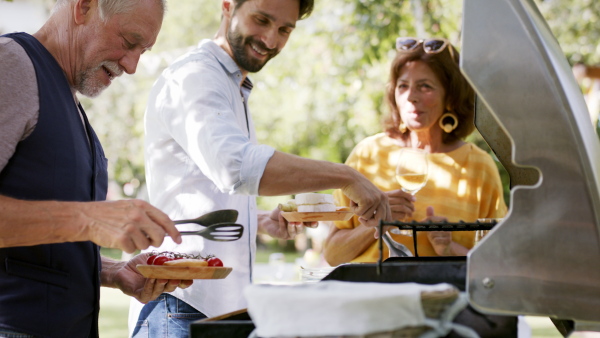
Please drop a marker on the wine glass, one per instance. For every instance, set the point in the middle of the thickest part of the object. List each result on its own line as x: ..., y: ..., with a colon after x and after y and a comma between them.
x: 411, y: 173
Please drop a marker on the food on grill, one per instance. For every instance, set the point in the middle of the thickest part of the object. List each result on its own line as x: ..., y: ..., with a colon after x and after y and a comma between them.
x: 314, y: 202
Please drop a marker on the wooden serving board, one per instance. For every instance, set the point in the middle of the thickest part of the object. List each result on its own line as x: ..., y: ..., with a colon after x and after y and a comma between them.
x: 317, y: 216
x: 183, y: 272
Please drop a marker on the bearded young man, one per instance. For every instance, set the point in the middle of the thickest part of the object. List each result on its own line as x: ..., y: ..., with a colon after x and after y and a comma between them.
x: 53, y: 177
x: 202, y: 155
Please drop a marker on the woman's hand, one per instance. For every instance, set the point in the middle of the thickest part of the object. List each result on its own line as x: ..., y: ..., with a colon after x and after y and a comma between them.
x: 401, y: 203
x: 440, y: 240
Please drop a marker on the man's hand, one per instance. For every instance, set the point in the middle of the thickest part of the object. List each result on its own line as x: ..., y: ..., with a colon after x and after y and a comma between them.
x: 276, y: 226
x: 290, y: 174
x: 125, y: 276
x: 128, y: 225
x: 401, y: 205
x: 367, y: 201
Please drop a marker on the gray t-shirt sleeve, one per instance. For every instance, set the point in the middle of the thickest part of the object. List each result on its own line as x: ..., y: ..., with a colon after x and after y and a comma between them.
x: 19, y: 102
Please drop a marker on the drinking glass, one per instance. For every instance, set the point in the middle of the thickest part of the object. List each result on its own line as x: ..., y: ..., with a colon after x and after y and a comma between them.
x: 411, y: 174
x: 411, y: 171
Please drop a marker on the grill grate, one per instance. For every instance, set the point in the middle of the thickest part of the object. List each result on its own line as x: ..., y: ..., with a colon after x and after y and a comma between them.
x: 415, y: 226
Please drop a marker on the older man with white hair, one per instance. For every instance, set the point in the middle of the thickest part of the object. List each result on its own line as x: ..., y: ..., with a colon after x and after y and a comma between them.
x: 53, y: 177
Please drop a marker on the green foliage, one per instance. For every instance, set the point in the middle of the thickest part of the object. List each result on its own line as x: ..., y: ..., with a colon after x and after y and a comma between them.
x: 111, y: 253
x: 375, y: 24
x: 187, y: 22
x: 575, y: 23
x: 324, y: 92
x: 117, y: 115
x: 319, y: 89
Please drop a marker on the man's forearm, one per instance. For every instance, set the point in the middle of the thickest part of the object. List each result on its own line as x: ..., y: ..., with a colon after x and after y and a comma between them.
x: 287, y: 174
x: 109, y: 269
x: 24, y: 223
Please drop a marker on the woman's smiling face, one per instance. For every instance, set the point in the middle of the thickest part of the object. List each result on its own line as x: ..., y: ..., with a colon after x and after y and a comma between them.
x: 419, y: 96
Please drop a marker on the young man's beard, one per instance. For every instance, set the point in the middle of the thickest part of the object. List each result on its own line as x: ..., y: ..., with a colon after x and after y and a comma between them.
x: 238, y: 42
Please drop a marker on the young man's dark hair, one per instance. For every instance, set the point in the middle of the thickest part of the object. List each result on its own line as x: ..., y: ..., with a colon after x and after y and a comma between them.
x: 306, y: 7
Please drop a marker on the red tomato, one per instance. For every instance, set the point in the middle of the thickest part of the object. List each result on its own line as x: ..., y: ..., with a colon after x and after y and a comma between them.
x: 214, y: 261
x: 161, y: 260
x: 151, y: 259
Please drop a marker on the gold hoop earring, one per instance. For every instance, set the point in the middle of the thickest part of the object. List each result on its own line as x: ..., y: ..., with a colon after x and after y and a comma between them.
x: 448, y: 127
x: 402, y: 127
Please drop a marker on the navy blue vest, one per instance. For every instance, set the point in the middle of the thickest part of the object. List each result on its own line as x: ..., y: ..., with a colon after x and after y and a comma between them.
x: 53, y: 290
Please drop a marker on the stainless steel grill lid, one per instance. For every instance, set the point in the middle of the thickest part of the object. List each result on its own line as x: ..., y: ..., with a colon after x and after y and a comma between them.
x: 544, y: 258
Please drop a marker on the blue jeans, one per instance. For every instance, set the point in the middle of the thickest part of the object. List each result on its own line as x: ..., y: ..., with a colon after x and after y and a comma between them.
x: 166, y: 317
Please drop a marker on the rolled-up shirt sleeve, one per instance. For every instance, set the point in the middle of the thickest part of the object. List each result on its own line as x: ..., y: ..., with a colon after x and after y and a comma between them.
x: 207, y: 119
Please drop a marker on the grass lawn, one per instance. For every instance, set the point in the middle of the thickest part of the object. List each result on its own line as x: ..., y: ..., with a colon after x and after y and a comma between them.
x: 114, y: 309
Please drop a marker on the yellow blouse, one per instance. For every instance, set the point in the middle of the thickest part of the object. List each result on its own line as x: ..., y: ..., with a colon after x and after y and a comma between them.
x: 462, y: 185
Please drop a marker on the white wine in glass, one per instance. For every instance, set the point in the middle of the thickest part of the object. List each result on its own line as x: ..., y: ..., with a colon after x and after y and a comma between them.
x: 411, y: 183
x: 411, y: 173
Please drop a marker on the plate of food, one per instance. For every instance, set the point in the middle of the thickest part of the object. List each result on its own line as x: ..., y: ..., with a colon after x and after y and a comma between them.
x: 314, y: 207
x: 169, y: 265
x: 183, y: 272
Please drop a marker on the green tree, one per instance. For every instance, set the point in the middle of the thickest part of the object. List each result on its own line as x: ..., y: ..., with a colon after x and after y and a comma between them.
x: 117, y: 115
x: 324, y: 92
x: 575, y: 25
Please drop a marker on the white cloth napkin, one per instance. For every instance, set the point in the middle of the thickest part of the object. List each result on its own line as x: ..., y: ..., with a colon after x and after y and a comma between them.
x: 334, y: 308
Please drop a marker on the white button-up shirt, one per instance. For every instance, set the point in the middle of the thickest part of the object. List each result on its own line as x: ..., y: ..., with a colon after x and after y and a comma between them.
x: 202, y: 155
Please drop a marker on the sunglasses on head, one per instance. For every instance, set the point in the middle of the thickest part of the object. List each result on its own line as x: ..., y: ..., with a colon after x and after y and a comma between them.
x: 430, y: 46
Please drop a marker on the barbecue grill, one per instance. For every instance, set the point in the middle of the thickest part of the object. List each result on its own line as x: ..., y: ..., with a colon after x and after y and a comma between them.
x: 543, y: 258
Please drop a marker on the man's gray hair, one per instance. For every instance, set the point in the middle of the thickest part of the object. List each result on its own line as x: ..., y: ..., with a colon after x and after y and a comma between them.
x: 108, y: 8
